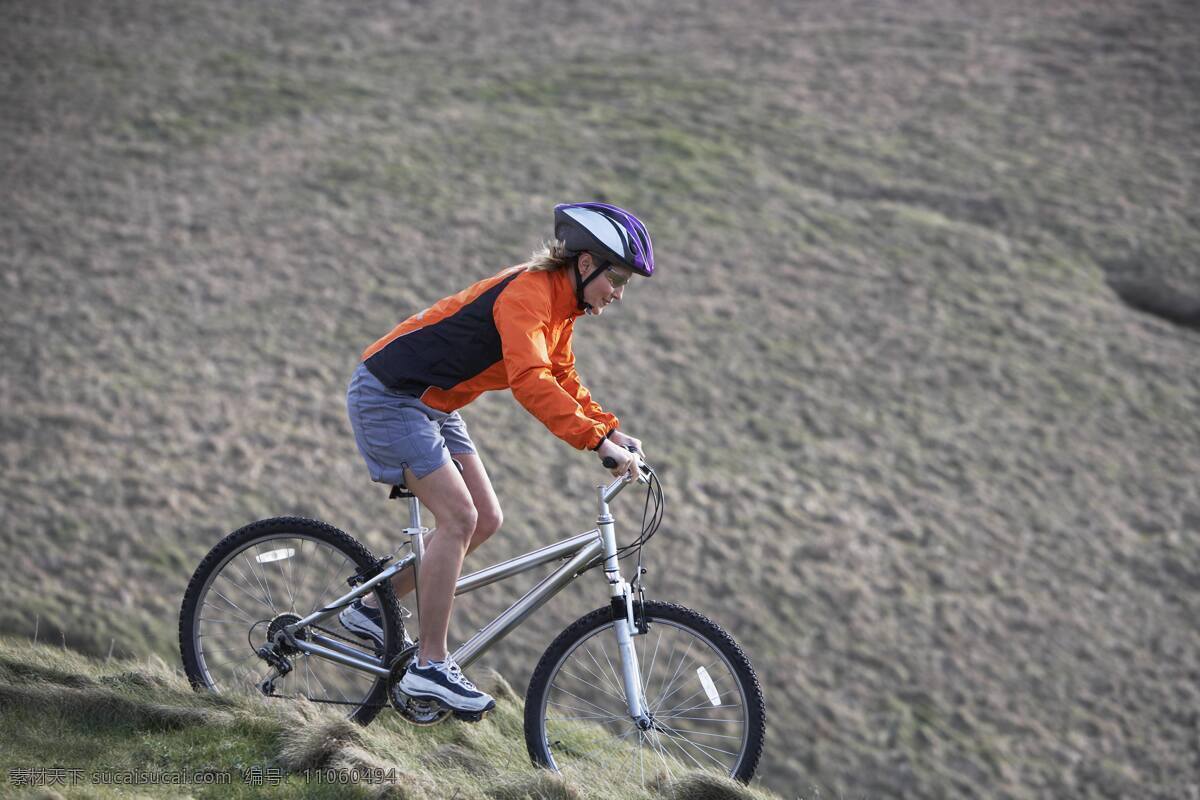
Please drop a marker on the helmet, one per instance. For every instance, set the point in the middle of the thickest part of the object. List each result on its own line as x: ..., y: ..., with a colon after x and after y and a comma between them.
x: 612, y: 234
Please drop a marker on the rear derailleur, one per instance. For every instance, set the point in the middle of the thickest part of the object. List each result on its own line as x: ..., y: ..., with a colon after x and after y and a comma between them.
x: 276, y: 651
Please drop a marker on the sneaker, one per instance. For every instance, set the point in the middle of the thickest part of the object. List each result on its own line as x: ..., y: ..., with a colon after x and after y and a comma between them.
x: 366, y: 622
x: 443, y: 681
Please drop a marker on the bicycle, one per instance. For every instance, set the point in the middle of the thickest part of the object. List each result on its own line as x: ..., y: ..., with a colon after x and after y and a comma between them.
x: 654, y: 681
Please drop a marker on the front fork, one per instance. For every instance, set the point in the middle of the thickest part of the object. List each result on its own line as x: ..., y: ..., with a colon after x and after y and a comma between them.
x: 624, y: 624
x: 631, y: 673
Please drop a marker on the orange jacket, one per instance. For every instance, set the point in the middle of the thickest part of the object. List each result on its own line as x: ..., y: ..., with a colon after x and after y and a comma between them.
x: 512, y: 330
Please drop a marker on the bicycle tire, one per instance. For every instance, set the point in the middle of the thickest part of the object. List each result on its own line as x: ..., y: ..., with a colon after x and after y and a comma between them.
x: 283, y: 529
x: 541, y: 737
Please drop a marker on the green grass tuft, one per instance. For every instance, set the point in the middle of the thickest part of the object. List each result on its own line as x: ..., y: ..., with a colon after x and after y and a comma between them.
x: 60, y: 709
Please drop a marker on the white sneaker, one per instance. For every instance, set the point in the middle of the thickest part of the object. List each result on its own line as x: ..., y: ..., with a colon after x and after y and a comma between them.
x: 443, y: 681
x: 366, y: 622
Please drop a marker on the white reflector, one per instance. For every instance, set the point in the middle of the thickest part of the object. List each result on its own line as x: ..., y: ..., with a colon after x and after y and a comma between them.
x: 710, y: 688
x: 275, y: 555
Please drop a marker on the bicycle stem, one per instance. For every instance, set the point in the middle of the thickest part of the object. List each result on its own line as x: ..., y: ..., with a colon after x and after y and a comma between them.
x: 607, y: 493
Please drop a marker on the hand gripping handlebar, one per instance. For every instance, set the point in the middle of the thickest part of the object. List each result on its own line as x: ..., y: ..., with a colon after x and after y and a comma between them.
x: 643, y: 471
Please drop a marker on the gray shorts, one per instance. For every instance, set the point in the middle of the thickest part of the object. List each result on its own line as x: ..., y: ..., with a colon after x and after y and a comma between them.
x: 395, y: 431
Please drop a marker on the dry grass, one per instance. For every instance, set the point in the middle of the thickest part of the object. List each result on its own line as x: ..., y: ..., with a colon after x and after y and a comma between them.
x: 59, y: 709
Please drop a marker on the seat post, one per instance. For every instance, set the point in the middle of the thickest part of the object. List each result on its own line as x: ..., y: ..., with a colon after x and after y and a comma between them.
x: 416, y: 534
x: 414, y: 512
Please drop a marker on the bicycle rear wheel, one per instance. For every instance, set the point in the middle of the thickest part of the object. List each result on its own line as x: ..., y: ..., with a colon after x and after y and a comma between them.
x: 266, y: 574
x: 701, y: 693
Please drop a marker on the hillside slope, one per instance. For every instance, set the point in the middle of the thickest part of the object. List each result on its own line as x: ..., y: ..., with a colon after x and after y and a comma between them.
x: 920, y: 456
x: 116, y: 728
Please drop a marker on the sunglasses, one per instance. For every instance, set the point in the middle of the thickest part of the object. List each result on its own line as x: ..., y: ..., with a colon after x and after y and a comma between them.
x: 616, y: 278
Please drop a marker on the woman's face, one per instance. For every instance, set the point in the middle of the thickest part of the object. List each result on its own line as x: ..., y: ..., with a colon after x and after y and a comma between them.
x: 601, y: 292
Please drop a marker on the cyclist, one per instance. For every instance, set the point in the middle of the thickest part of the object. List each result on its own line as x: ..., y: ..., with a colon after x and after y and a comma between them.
x: 512, y: 330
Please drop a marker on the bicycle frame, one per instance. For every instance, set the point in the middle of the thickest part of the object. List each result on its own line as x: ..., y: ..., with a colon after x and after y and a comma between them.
x: 581, y: 552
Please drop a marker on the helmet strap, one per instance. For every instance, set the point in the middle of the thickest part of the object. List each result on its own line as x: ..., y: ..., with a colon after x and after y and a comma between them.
x: 582, y: 282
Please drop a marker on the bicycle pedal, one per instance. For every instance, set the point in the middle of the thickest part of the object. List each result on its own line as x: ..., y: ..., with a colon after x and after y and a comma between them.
x: 436, y: 705
x: 472, y: 716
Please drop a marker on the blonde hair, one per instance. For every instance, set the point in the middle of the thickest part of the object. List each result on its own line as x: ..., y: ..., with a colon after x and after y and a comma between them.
x: 550, y: 256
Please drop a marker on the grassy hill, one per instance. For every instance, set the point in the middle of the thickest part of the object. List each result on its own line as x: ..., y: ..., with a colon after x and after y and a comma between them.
x: 926, y: 455
x: 82, y: 726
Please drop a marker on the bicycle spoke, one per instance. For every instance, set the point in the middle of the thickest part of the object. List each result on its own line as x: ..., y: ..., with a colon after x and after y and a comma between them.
x: 675, y: 740
x: 663, y: 700
x: 228, y: 651
x: 641, y: 763
x: 602, y: 691
x: 582, y: 700
x: 669, y: 672
x: 216, y: 621
x: 244, y: 620
x: 287, y: 579
x: 321, y: 683
x: 607, y: 717
x: 708, y: 719
x: 221, y: 651
x: 617, y: 685
x: 236, y: 665
x: 244, y: 585
x: 705, y: 706
x: 598, y: 677
x: 571, y: 719
x: 332, y: 582
x: 720, y: 735
x: 708, y: 668
x: 245, y: 614
x: 679, y: 736
x: 662, y: 754
x: 616, y: 678
x: 680, y: 669
x: 260, y: 573
x: 675, y: 675
x: 648, y: 673
x: 245, y: 592
x: 688, y: 699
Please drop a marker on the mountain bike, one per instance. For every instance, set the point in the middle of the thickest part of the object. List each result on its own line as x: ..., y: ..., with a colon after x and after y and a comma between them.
x: 659, y: 685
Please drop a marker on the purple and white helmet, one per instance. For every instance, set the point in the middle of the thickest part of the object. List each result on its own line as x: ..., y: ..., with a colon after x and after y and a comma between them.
x: 610, y: 233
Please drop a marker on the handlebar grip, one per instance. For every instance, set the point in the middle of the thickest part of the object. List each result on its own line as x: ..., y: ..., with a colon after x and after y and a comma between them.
x: 609, y: 462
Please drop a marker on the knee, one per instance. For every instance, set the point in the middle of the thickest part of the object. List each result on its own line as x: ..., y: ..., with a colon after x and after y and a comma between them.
x: 488, y: 521
x: 459, y: 523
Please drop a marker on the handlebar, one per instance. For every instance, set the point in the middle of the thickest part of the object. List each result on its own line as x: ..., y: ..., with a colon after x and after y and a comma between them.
x: 643, y: 476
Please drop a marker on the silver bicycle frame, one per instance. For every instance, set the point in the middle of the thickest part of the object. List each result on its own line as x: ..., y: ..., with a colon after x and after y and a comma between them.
x: 580, y: 551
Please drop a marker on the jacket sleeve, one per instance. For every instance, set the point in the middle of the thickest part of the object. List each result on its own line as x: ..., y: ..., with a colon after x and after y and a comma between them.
x: 522, y: 315
x: 563, y: 359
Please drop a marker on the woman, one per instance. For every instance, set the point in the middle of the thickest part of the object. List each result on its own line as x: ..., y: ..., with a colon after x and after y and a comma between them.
x: 512, y: 330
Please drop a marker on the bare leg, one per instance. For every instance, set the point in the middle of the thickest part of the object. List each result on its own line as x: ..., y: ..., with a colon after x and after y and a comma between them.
x: 439, y: 572
x: 445, y: 492
x: 488, y: 518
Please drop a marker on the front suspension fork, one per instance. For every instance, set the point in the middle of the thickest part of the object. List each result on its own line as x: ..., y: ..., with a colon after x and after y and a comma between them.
x: 624, y: 624
x: 626, y: 627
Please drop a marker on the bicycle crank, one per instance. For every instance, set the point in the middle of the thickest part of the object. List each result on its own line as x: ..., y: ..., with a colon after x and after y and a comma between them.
x: 414, y: 709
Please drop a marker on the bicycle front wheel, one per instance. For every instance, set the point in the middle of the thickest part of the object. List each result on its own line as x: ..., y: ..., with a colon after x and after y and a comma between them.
x: 703, y: 699
x: 268, y: 574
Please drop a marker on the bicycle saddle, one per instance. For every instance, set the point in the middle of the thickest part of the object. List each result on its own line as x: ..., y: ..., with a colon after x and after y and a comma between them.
x: 400, y: 490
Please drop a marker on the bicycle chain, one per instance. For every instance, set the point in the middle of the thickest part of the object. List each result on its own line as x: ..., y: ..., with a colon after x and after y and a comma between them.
x: 347, y: 640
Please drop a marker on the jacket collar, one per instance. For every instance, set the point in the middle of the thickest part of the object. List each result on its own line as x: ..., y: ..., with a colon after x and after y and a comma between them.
x: 563, y: 301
